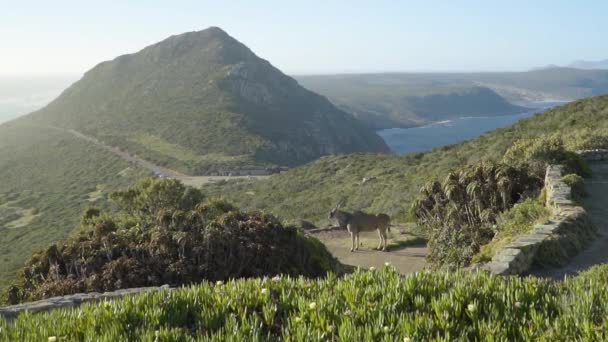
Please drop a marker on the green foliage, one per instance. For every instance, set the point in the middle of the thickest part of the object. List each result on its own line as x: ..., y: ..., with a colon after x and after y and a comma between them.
x: 516, y: 221
x: 149, y: 196
x: 47, y: 176
x: 165, y: 235
x: 522, y: 217
x: 460, y: 212
x: 577, y: 184
x: 308, y: 192
x: 540, y: 152
x: 365, y: 306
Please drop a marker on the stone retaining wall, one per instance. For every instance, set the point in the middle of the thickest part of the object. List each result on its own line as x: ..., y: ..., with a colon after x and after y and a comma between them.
x: 568, y: 231
x: 10, y: 312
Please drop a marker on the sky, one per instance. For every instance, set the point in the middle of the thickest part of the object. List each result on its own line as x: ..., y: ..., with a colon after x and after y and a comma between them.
x: 313, y: 36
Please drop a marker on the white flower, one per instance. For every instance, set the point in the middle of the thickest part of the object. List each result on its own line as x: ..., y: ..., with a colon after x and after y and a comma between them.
x: 312, y: 306
x: 407, y: 339
x: 472, y: 307
x: 276, y: 278
x: 387, y: 264
x: 298, y: 319
x: 348, y: 313
x: 518, y: 305
x: 264, y: 291
x: 219, y: 283
x: 331, y: 328
x: 385, y: 328
x: 52, y: 338
x: 372, y: 268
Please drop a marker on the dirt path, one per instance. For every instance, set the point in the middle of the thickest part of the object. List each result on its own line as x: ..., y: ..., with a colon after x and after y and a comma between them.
x: 194, y: 181
x: 597, y: 206
x: 405, y: 252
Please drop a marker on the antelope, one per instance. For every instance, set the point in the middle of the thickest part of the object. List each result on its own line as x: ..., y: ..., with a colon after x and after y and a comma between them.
x: 361, y: 222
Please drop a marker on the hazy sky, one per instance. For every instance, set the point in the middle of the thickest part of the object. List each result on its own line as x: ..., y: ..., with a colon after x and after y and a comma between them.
x: 55, y: 37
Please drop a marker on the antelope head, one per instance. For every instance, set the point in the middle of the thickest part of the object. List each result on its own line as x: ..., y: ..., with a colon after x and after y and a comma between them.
x: 332, y: 213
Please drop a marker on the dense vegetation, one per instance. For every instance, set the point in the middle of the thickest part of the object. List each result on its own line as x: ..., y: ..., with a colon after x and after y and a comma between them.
x: 460, y: 213
x: 47, y: 178
x: 202, y: 102
x: 404, y: 100
x: 308, y: 192
x: 377, y: 305
x: 165, y: 234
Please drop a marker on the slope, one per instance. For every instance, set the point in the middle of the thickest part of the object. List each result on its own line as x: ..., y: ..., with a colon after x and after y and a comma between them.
x: 201, y: 102
x: 48, y: 178
x: 404, y: 100
x: 309, y: 192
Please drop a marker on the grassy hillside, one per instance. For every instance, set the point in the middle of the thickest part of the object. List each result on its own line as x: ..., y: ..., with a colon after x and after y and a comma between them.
x: 310, y: 191
x: 202, y: 102
x: 48, y: 177
x: 377, y: 305
x: 405, y: 99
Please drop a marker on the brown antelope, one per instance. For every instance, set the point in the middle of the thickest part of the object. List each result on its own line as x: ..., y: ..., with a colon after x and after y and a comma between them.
x: 361, y: 222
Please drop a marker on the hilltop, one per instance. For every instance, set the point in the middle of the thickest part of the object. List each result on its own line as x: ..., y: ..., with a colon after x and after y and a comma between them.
x: 308, y: 192
x: 201, y: 102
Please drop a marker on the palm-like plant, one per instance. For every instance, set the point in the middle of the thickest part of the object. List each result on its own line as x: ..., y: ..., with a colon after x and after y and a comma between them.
x: 459, y: 212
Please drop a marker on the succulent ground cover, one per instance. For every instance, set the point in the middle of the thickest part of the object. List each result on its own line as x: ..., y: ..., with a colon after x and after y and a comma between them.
x: 373, y: 305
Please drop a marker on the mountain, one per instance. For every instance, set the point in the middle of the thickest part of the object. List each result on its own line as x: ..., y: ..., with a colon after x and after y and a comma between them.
x: 193, y: 102
x: 393, y: 181
x: 405, y: 100
x: 589, y: 64
x: 202, y: 101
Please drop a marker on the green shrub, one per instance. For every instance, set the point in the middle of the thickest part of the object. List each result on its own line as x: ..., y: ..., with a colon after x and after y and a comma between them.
x: 377, y: 305
x: 516, y: 221
x: 538, y: 153
x: 460, y: 212
x: 145, y: 245
x: 577, y: 184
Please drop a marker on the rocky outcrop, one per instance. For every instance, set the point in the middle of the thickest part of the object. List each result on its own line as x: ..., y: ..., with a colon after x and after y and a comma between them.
x: 566, y: 234
x: 10, y: 312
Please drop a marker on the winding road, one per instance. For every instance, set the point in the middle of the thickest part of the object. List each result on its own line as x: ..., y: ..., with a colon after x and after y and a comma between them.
x: 597, y: 206
x: 195, y: 181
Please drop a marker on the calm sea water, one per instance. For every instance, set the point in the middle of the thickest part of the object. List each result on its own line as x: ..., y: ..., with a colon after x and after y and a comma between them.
x: 407, y: 140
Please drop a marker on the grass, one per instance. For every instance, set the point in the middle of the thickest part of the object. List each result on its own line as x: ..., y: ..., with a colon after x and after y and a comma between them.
x: 510, y: 224
x: 309, y: 192
x: 375, y: 305
x: 47, y: 180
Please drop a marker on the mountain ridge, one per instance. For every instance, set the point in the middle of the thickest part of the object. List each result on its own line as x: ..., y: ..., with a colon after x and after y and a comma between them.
x: 211, y: 96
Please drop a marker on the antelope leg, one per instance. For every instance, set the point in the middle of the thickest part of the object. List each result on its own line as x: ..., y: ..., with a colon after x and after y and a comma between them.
x: 352, y: 237
x: 379, y: 236
x: 384, y: 240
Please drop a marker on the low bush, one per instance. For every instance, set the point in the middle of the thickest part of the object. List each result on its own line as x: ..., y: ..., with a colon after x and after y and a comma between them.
x: 378, y: 305
x: 516, y: 221
x: 537, y: 153
x: 180, y: 242
x: 577, y: 184
x: 460, y: 213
